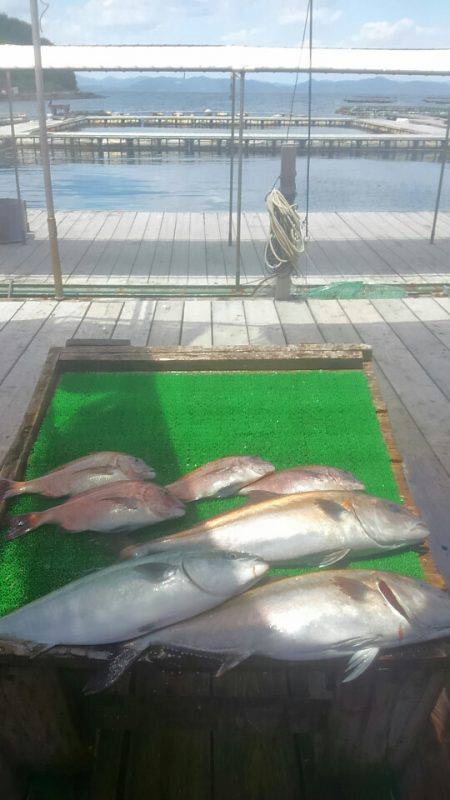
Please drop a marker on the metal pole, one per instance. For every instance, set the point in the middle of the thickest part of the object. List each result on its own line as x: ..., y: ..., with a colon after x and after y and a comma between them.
x: 308, y: 155
x: 233, y: 112
x: 14, y: 147
x: 441, y: 179
x: 51, y: 222
x: 239, y: 182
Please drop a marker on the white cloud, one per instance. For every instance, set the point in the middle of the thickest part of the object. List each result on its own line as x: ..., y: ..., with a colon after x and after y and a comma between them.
x: 404, y: 32
x: 241, y: 36
x: 322, y: 15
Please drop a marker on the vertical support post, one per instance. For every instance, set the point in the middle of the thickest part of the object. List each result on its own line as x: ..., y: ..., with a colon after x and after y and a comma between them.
x: 308, y: 155
x: 233, y: 114
x: 288, y: 172
x: 239, y: 183
x: 14, y: 151
x: 288, y: 189
x: 441, y: 178
x: 51, y: 222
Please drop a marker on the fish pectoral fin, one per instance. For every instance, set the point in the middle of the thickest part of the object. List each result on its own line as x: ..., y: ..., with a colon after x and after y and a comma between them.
x: 159, y: 572
x: 120, y: 503
x: 127, y: 654
x: 39, y: 649
x: 359, y: 662
x: 230, y: 663
x: 327, y: 559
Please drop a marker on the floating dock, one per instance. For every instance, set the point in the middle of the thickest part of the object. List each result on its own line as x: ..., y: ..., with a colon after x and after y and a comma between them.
x: 194, y: 133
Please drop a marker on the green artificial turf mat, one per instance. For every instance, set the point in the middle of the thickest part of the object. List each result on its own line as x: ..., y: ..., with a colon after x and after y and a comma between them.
x: 177, y: 421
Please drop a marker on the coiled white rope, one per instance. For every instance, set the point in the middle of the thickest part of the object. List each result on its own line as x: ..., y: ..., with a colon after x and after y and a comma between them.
x: 286, y: 241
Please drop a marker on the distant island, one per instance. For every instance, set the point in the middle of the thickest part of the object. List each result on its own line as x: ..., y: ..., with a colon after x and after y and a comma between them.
x: 57, y: 82
x: 370, y: 86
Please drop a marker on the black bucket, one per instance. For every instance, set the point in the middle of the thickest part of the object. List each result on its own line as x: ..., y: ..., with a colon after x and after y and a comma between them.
x: 12, y: 220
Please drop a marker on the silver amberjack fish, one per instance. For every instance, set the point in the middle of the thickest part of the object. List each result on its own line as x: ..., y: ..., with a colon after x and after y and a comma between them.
x: 349, y: 614
x: 78, y: 476
x: 117, y: 507
x: 316, y: 528
x: 131, y: 598
x: 220, y: 478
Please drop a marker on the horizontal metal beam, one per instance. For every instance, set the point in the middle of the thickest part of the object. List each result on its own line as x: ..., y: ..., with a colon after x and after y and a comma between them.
x: 228, y: 58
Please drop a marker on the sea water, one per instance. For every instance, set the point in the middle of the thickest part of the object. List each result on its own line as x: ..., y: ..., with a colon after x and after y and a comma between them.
x: 175, y: 181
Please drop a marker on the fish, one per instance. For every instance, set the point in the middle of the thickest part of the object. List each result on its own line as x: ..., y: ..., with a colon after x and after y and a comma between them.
x: 80, y: 475
x: 315, y: 528
x: 117, y: 507
x: 302, y: 479
x: 221, y: 478
x: 351, y: 614
x: 130, y: 599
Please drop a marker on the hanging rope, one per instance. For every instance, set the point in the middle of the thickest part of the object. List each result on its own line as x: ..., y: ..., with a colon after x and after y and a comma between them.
x: 285, y: 242
x: 286, y: 239
x: 294, y: 91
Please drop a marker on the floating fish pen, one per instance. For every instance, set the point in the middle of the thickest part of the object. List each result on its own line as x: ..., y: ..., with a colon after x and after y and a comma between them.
x: 440, y: 99
x: 222, y: 120
x: 170, y: 728
x: 370, y: 99
x: 75, y: 145
x: 372, y: 112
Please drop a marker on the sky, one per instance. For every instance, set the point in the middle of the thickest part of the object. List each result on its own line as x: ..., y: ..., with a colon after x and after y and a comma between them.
x: 337, y: 23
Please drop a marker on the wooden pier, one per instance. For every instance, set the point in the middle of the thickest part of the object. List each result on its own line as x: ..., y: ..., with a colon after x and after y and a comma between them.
x: 164, y: 248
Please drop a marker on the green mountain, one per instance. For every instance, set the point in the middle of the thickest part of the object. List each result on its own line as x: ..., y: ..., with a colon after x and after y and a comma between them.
x: 16, y: 31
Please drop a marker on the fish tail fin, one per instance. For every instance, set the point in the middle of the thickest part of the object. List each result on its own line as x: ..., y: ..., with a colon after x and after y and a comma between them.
x: 118, y: 665
x: 24, y: 523
x: 9, y: 488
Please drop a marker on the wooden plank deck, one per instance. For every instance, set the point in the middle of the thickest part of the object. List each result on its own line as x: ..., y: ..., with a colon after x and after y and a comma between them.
x: 121, y: 247
x: 411, y: 341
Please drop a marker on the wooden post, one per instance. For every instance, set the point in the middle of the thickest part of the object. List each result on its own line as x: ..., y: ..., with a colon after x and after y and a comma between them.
x: 288, y: 172
x: 288, y: 189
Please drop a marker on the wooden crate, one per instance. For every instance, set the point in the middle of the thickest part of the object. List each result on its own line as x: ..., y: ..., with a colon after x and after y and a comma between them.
x: 265, y: 726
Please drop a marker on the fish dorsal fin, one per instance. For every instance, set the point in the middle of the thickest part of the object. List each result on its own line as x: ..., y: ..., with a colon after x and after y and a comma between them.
x: 391, y: 598
x: 156, y: 571
x: 359, y: 662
